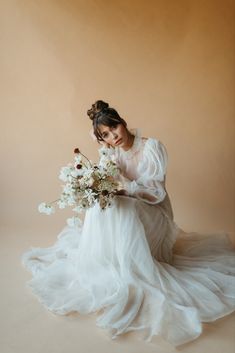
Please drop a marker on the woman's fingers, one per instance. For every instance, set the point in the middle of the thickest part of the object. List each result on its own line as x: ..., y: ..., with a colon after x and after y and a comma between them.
x: 105, y: 144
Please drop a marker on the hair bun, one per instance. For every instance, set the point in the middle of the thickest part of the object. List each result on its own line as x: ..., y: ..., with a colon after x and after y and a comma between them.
x: 96, y: 108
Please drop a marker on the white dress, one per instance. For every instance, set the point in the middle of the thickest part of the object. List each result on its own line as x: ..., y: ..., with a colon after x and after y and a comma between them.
x: 123, y: 263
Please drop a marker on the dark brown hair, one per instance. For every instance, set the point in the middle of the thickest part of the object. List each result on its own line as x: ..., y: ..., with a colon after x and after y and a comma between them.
x: 101, y: 113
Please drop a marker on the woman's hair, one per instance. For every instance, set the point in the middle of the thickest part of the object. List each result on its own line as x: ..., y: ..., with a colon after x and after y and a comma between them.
x: 101, y: 113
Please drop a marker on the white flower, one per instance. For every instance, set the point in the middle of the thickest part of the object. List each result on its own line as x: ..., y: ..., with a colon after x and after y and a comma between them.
x: 78, y: 158
x: 47, y: 209
x: 71, y: 201
x: 112, y: 169
x: 65, y: 173
x: 113, y: 158
x: 61, y: 204
x: 74, y: 222
x: 77, y: 172
x: 90, y: 182
x: 78, y: 209
x: 87, y: 173
x: 90, y: 195
x: 67, y: 189
x: 105, y: 151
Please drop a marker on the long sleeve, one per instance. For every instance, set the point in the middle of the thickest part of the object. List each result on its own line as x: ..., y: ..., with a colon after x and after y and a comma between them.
x: 150, y: 185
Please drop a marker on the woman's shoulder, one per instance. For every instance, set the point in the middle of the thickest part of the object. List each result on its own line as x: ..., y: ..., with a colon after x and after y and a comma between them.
x: 154, y: 146
x: 150, y: 141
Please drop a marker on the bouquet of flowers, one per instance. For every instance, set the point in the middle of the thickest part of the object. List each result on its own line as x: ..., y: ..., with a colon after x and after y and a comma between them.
x: 86, y: 184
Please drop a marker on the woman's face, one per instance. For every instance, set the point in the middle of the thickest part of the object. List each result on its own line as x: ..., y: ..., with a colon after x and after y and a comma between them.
x: 114, y: 136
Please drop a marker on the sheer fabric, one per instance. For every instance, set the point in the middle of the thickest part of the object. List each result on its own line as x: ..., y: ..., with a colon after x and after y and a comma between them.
x: 125, y: 263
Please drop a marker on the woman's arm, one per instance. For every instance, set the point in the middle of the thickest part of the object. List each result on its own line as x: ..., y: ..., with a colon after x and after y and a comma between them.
x: 150, y: 186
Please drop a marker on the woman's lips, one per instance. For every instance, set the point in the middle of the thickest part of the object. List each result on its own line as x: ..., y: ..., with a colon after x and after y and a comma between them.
x: 118, y: 141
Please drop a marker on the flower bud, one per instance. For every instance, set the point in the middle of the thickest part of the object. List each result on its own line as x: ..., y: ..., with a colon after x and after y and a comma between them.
x: 76, y: 150
x: 79, y: 166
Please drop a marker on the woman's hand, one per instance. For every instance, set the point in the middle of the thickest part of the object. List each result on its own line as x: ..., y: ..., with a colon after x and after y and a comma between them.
x: 105, y: 144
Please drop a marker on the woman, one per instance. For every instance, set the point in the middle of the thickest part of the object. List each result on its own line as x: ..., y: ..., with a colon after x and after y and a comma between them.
x: 121, y: 262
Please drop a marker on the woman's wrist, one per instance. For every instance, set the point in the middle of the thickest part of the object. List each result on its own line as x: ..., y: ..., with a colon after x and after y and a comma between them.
x: 130, y: 187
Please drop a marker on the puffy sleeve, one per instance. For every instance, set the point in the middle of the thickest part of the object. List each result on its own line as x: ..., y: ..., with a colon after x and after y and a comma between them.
x: 150, y: 185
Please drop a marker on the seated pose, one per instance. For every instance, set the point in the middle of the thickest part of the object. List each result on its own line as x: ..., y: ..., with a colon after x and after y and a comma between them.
x: 124, y: 262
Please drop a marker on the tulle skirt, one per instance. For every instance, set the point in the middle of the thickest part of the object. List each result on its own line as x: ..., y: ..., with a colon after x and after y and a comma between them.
x: 125, y: 264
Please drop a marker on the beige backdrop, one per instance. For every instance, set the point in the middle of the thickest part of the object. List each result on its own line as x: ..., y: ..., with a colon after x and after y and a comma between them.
x: 166, y: 66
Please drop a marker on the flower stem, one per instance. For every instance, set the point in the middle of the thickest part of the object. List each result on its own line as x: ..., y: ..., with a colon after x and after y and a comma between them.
x: 53, y: 201
x: 86, y: 158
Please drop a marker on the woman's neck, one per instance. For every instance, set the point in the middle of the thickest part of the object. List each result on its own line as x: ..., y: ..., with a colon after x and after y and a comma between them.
x: 130, y: 142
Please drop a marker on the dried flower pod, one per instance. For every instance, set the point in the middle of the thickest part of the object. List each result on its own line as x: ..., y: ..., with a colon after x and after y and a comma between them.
x: 79, y: 166
x: 102, y: 202
x: 76, y: 150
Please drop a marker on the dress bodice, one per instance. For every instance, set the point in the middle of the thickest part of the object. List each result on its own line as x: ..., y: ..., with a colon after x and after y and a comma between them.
x: 129, y: 161
x: 143, y: 170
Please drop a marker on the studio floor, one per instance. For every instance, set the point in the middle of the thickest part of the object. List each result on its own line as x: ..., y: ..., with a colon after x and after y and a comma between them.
x: 27, y: 327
